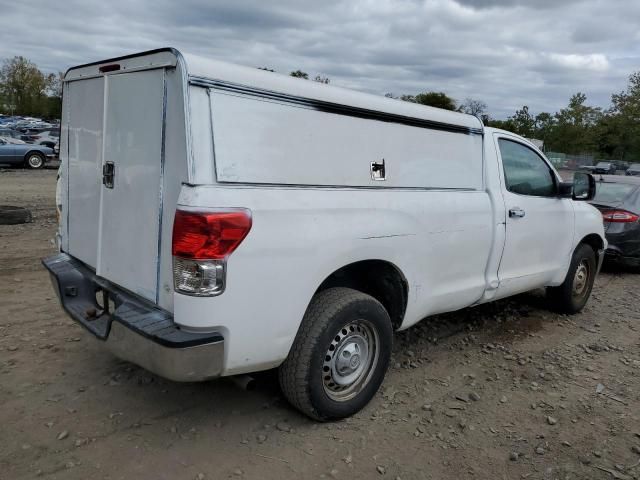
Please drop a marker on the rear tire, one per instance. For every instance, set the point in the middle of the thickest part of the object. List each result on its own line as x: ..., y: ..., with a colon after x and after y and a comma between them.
x: 340, y: 355
x: 34, y: 160
x: 572, y: 295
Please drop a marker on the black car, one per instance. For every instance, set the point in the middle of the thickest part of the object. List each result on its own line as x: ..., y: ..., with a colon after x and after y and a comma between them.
x: 621, y: 165
x: 607, y: 168
x: 618, y: 198
x: 634, y: 170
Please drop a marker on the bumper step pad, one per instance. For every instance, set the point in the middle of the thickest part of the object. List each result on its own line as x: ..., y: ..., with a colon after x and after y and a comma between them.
x: 77, y: 288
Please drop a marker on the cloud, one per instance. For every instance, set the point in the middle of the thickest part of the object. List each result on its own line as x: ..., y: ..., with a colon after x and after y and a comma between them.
x: 505, y: 52
x: 539, y: 4
x: 594, y: 62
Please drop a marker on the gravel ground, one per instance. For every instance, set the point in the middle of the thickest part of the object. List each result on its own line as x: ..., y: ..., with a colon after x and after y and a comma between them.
x: 502, y: 391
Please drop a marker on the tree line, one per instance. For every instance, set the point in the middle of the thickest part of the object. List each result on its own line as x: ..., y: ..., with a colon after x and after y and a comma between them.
x: 579, y: 128
x: 27, y: 91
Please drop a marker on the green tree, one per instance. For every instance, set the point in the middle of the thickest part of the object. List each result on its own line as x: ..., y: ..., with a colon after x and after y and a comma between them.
x: 300, y: 74
x: 619, y: 131
x: 52, y: 106
x: 523, y: 122
x: 24, y: 87
x: 305, y: 75
x: 435, y: 99
x: 477, y: 108
x: 575, y: 127
x: 544, y: 126
x: 502, y: 124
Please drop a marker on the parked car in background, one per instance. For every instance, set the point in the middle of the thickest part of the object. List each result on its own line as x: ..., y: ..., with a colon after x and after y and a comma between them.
x: 48, y: 138
x: 634, y: 170
x: 587, y: 168
x: 28, y: 126
x: 25, y: 135
x: 621, y: 165
x: 8, y: 132
x: 618, y: 198
x: 608, y: 168
x: 32, y: 156
x: 15, y: 141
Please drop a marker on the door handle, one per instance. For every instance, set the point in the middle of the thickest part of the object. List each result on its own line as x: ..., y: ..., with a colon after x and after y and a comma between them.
x: 108, y: 174
x: 516, y: 212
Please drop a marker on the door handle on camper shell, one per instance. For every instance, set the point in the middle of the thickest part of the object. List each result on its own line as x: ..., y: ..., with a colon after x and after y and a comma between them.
x: 516, y: 212
x: 108, y: 174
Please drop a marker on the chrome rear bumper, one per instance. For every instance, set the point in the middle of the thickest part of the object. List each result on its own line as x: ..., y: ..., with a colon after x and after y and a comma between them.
x: 133, y: 328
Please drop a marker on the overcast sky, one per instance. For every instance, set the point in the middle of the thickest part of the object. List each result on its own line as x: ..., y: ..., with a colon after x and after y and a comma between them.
x: 505, y: 52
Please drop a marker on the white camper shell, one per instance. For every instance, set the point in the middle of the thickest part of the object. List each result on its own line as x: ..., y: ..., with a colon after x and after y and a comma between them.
x: 210, y: 210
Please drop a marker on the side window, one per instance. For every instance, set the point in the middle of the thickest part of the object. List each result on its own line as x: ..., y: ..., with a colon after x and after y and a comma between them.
x: 525, y: 172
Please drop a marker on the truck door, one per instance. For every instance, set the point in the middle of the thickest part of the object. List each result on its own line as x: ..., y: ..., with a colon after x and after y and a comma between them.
x: 539, y: 224
x: 131, y: 193
x: 115, y: 151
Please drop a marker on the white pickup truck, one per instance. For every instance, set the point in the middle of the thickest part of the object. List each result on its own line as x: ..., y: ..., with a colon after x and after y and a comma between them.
x: 218, y: 220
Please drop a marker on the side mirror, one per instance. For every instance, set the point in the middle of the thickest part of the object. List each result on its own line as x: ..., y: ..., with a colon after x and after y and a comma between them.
x: 584, y: 186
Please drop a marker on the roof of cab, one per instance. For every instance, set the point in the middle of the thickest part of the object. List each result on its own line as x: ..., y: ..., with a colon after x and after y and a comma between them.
x: 202, y: 70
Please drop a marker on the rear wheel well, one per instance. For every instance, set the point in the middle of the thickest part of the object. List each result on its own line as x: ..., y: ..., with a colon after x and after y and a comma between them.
x: 378, y: 278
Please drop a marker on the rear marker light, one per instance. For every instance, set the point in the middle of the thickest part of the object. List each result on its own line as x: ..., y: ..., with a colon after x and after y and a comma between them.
x: 619, y: 216
x: 202, y: 241
x: 114, y: 67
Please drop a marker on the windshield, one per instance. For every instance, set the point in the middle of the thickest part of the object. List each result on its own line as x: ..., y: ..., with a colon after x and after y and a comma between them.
x: 612, y: 192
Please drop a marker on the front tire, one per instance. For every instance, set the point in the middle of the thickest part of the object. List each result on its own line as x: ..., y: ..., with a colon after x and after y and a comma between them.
x: 572, y: 295
x: 34, y: 160
x: 340, y: 355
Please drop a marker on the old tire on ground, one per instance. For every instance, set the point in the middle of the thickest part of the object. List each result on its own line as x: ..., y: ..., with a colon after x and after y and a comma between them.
x: 10, y: 215
x: 340, y: 355
x: 34, y: 160
x: 572, y: 295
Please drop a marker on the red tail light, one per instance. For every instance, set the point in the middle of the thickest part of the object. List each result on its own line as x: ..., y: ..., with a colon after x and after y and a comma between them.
x: 619, y: 216
x: 209, y: 235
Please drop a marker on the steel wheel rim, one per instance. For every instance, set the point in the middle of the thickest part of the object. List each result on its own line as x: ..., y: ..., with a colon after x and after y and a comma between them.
x: 35, y: 161
x: 581, y: 279
x: 350, y: 360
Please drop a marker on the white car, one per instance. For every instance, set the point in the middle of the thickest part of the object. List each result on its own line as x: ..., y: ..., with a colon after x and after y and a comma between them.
x: 218, y: 220
x: 48, y: 138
